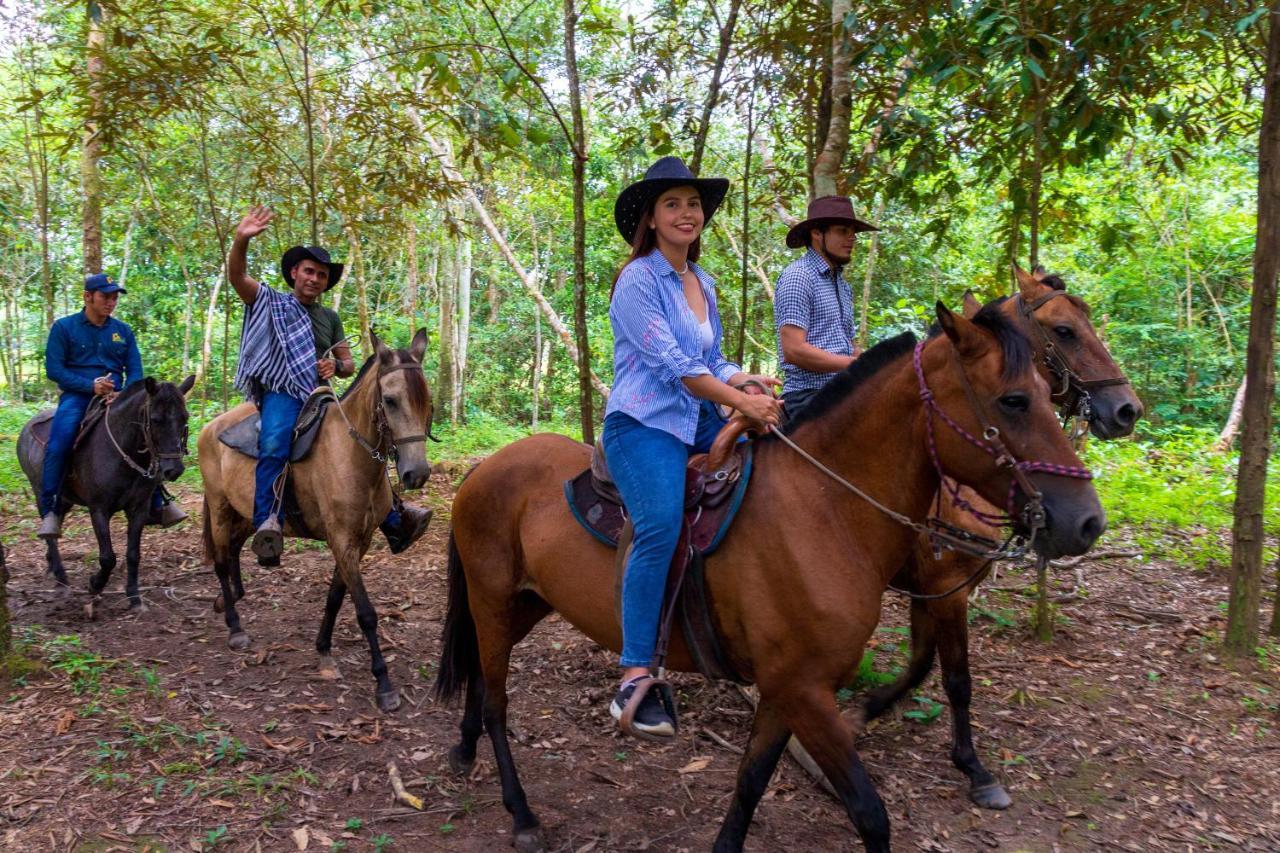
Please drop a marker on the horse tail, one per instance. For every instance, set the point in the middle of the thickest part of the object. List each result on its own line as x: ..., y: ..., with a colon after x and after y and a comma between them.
x: 460, y: 655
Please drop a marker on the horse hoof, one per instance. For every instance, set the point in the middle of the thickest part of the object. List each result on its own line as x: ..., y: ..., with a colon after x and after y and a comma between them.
x: 992, y: 796
x: 219, y: 605
x: 62, y: 591
x: 138, y: 607
x: 529, y: 841
x: 328, y: 670
x: 458, y: 765
x: 91, y: 611
x: 238, y: 641
x: 389, y: 701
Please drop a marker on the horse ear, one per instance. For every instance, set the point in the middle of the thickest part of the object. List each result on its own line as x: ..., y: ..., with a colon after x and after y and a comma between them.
x: 1028, y: 285
x: 152, y: 385
x: 968, y: 341
x: 187, y: 384
x: 971, y: 305
x: 385, y: 355
x: 418, y: 348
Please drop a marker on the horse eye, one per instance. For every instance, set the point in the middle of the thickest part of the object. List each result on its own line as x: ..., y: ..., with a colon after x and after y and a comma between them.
x: 1064, y: 332
x: 1015, y: 403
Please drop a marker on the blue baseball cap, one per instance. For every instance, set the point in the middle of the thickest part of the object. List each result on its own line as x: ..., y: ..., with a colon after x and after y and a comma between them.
x: 102, y: 283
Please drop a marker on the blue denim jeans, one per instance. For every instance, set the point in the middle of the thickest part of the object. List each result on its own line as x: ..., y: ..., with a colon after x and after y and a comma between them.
x: 62, y: 434
x: 648, y: 467
x: 279, y: 414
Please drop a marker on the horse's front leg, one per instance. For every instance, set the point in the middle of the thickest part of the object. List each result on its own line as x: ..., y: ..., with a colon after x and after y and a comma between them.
x: 769, y: 735
x: 324, y: 640
x: 53, y: 557
x: 133, y: 556
x: 348, y: 574
x: 813, y: 716
x: 106, y: 560
x: 951, y: 615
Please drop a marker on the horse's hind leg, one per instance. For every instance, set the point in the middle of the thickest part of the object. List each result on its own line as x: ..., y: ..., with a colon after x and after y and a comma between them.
x: 824, y: 733
x: 769, y: 735
x: 324, y: 640
x: 132, y: 557
x: 951, y: 616
x: 222, y: 543
x: 924, y: 646
x: 507, y: 630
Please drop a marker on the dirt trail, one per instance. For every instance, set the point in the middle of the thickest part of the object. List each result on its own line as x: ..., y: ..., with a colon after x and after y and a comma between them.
x: 150, y: 733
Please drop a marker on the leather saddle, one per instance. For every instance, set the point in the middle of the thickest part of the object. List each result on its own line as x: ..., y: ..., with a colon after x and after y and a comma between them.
x: 43, y: 422
x: 243, y: 436
x: 715, y: 484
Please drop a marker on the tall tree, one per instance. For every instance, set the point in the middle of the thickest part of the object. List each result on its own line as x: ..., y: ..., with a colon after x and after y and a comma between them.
x: 91, y: 145
x: 826, y: 168
x: 1255, y: 434
x: 578, y: 149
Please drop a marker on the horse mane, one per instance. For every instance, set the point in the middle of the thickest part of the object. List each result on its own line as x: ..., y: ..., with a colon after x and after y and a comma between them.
x: 1015, y: 347
x: 852, y: 377
x: 419, y: 393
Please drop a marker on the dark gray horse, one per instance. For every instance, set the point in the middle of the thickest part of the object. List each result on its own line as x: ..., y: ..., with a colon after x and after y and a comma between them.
x: 138, y: 444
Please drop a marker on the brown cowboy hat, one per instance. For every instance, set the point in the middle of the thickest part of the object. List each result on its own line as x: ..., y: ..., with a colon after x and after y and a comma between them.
x: 295, y: 254
x: 827, y: 210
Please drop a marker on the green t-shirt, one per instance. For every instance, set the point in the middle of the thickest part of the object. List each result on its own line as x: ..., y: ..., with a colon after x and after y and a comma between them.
x: 326, y: 326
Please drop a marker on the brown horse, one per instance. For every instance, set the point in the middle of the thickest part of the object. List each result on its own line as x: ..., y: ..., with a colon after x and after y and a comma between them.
x: 342, y: 489
x: 1080, y: 370
x: 795, y: 614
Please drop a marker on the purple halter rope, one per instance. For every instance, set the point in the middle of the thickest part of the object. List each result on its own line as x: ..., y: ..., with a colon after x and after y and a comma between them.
x: 1002, y: 458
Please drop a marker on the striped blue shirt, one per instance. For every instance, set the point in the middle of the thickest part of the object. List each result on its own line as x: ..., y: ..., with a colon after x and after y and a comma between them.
x: 656, y: 343
x: 810, y: 298
x: 277, y: 346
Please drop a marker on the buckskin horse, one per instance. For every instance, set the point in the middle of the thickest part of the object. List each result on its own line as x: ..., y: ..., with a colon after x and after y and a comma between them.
x: 138, y: 443
x: 1085, y: 382
x: 795, y: 587
x: 341, y: 489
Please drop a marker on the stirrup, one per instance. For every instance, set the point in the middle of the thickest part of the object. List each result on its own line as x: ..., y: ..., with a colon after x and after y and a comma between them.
x: 643, y: 685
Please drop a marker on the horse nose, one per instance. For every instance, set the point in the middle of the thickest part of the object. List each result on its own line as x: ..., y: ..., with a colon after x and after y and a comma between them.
x: 1090, y: 528
x: 415, y: 477
x: 1127, y: 415
x: 173, y: 471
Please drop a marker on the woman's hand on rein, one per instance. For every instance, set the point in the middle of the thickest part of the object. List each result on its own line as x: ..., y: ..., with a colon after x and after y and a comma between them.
x: 760, y: 406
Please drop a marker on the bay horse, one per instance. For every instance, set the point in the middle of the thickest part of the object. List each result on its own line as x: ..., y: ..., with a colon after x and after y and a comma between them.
x: 1084, y: 379
x: 138, y: 444
x: 342, y: 489
x: 796, y: 585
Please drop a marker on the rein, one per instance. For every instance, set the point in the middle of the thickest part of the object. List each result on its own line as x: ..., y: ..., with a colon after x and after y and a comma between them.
x: 1074, y: 389
x: 148, y: 446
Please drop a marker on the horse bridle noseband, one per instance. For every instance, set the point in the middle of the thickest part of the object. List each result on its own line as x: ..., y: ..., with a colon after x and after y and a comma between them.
x: 1073, y: 390
x: 375, y: 450
x: 148, y: 446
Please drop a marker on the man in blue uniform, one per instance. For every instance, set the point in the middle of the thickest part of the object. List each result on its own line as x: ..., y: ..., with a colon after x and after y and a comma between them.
x: 89, y: 354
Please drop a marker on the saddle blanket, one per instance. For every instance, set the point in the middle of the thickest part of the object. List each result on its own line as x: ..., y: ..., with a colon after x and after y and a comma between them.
x: 243, y: 436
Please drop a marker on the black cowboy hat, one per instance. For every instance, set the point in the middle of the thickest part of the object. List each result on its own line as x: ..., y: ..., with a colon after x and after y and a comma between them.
x: 663, y: 175
x: 827, y: 210
x: 294, y: 255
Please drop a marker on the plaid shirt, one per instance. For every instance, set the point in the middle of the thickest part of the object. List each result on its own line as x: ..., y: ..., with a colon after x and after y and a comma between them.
x: 656, y: 343
x: 806, y: 297
x: 277, y: 346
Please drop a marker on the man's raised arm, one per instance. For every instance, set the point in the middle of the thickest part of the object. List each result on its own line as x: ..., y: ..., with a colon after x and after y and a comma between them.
x: 253, y: 224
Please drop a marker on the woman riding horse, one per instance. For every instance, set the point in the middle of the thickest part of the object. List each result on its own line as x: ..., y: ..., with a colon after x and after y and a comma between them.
x: 668, y: 375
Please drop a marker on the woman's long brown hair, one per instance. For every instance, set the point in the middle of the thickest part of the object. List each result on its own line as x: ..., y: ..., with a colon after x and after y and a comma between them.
x: 645, y: 240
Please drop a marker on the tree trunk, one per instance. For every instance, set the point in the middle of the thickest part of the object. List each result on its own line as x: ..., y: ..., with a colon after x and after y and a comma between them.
x: 362, y: 293
x: 537, y: 366
x: 210, y: 323
x: 462, y: 329
x: 864, y: 306
x: 123, y: 274
x: 91, y: 148
x: 1228, y: 435
x: 826, y: 168
x: 444, y: 379
x: 746, y: 220
x: 579, y: 145
x: 410, y: 303
x: 1037, y: 180
x: 445, y: 159
x: 38, y: 165
x: 713, y: 91
x: 1247, y: 532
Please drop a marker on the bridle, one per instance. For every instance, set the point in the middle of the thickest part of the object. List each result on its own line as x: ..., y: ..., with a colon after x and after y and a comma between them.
x: 380, y: 450
x: 940, y: 533
x: 1072, y: 390
x: 148, y: 443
